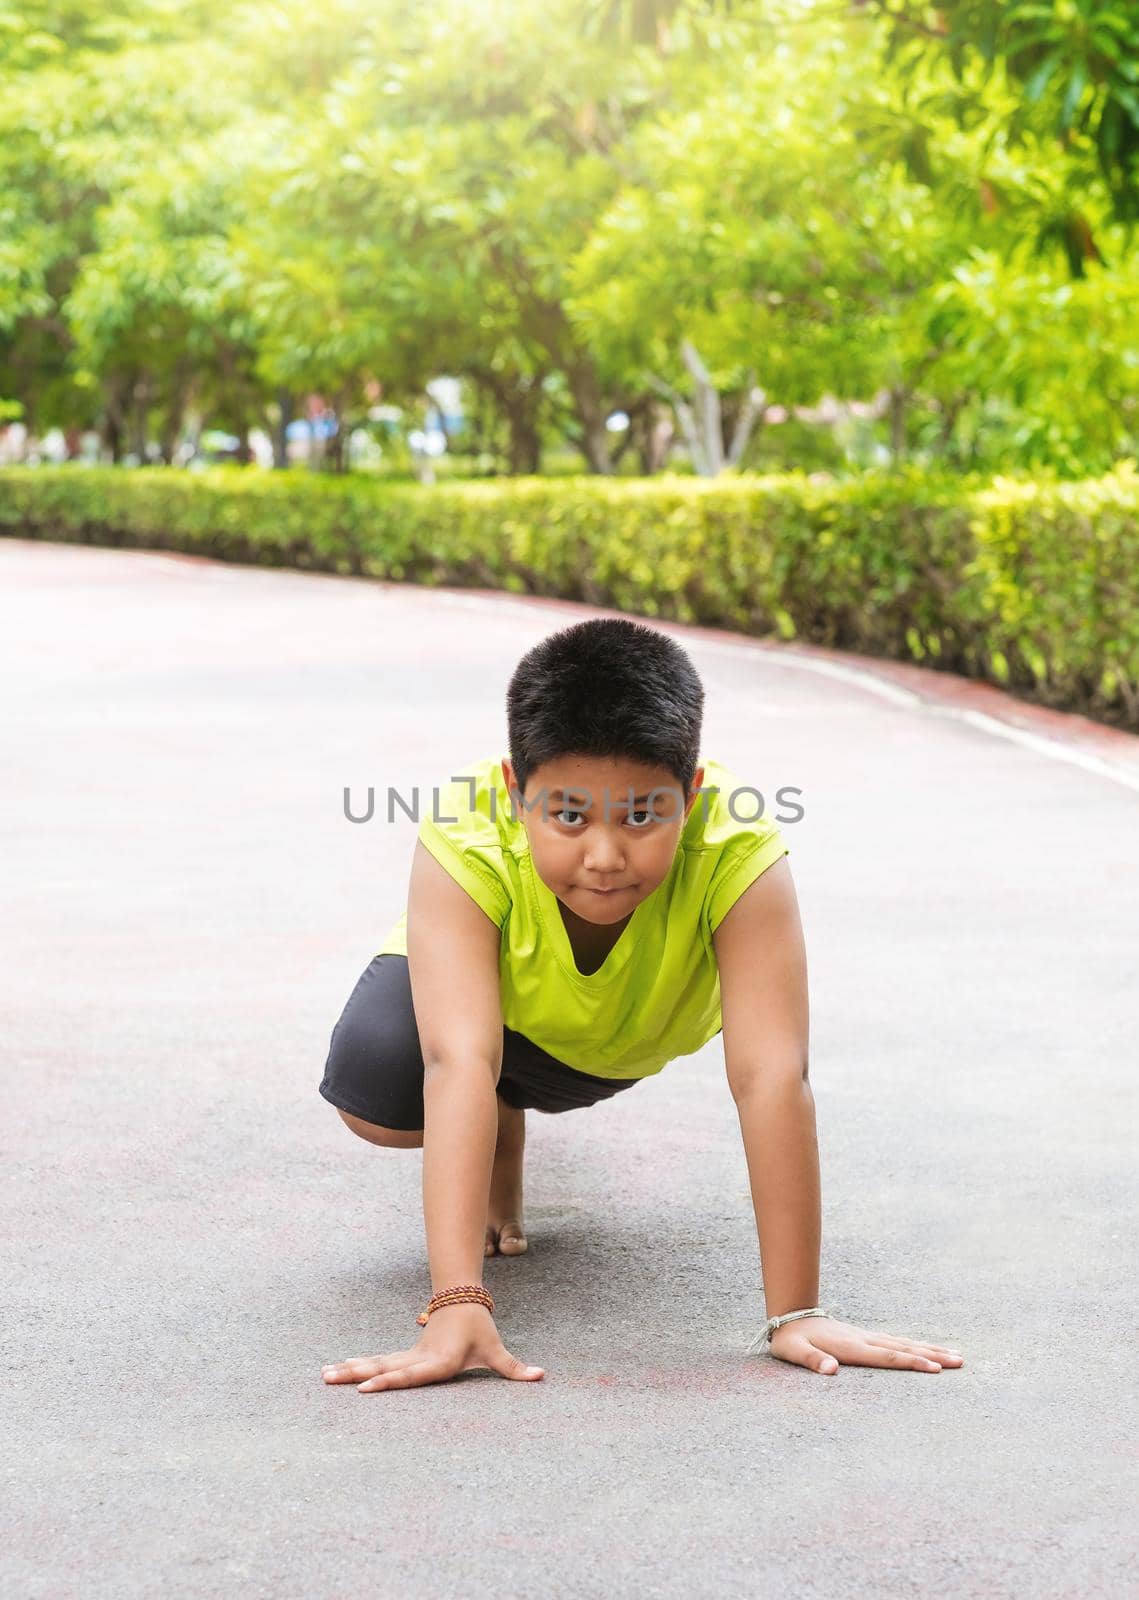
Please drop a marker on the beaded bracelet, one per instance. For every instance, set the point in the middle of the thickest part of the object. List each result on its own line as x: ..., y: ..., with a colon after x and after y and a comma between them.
x: 475, y: 1293
x: 762, y: 1339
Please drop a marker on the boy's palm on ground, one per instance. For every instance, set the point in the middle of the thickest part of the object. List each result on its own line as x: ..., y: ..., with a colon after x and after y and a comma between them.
x: 456, y: 1339
x: 823, y: 1344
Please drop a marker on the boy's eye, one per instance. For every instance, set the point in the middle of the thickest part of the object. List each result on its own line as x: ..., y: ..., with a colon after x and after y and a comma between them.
x: 567, y: 811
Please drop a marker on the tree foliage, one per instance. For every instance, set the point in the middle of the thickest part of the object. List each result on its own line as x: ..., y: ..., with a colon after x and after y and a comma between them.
x: 709, y: 215
x: 1076, y: 63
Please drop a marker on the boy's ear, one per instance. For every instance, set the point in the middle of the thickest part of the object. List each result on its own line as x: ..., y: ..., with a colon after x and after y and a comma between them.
x: 508, y: 775
x: 697, y: 781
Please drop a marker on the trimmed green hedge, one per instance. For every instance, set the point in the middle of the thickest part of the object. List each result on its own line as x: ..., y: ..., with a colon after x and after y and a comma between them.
x: 1033, y: 586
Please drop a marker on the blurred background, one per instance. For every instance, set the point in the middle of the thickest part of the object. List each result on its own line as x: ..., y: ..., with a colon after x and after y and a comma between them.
x: 865, y: 243
x: 519, y: 236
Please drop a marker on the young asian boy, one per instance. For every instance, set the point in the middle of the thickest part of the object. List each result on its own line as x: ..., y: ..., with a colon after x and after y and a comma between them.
x: 597, y: 904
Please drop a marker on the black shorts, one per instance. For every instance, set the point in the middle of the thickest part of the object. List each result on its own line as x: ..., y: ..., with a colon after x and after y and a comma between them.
x: 375, y: 1066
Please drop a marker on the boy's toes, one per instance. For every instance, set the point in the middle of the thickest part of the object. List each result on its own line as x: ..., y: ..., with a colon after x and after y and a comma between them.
x: 511, y: 1239
x: 506, y: 1239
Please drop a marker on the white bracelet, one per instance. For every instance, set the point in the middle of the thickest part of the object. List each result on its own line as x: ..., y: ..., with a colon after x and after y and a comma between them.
x: 756, y: 1346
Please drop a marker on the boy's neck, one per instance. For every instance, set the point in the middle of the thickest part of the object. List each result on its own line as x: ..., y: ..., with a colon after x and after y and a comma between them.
x: 590, y: 942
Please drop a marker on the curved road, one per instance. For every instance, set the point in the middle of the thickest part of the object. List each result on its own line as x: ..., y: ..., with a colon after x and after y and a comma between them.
x: 191, y: 1232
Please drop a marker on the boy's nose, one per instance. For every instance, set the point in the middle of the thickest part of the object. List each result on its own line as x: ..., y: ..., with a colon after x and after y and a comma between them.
x: 604, y: 866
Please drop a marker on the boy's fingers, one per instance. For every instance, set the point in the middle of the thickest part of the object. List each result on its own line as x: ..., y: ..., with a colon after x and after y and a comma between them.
x: 501, y: 1360
x: 408, y: 1377
x: 349, y: 1371
x: 876, y: 1355
x: 934, y: 1352
x: 802, y: 1353
x: 365, y: 1366
x: 930, y: 1351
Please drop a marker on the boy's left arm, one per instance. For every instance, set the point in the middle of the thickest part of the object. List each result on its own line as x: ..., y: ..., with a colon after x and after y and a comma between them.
x: 762, y: 963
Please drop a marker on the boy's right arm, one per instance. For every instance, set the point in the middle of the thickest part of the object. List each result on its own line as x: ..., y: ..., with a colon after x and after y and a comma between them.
x: 452, y: 951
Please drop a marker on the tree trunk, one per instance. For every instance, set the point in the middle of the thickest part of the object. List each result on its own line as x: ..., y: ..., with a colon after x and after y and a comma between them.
x: 949, y: 420
x: 112, y: 432
x: 706, y: 425
x: 279, y: 430
x: 334, y: 450
x: 139, y: 414
x: 592, y: 414
x: 194, y: 424
x: 750, y: 412
x: 481, y: 418
x: 171, y: 425
x: 114, y: 424
x: 547, y: 327
x: 340, y: 445
x: 898, y: 398
x: 525, y: 446
x: 519, y: 399
x: 653, y: 432
x: 701, y: 419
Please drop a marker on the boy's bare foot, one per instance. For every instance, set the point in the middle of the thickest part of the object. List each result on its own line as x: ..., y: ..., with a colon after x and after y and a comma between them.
x: 505, y: 1234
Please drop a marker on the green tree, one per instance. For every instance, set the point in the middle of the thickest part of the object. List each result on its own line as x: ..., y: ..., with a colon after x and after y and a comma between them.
x: 1076, y: 63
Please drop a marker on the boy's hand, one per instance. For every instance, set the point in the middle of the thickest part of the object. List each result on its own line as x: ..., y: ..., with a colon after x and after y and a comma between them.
x: 455, y: 1339
x: 822, y: 1344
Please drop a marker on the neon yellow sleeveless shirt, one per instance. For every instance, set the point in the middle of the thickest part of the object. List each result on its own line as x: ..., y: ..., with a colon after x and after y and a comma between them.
x: 656, y: 996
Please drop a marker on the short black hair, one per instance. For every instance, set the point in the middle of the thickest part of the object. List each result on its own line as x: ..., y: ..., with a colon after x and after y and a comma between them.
x: 606, y: 687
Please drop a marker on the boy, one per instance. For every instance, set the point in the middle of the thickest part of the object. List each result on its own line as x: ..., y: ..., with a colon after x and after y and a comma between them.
x: 556, y: 950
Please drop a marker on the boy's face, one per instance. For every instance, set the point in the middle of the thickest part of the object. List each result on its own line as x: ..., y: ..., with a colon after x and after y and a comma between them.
x: 595, y: 825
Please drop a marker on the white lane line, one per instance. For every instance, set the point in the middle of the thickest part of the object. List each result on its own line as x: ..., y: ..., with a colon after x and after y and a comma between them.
x: 827, y: 669
x: 856, y: 677
x: 1055, y: 749
x: 1048, y: 747
x: 859, y: 679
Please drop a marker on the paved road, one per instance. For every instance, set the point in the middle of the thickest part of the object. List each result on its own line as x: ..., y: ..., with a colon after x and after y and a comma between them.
x: 191, y: 1232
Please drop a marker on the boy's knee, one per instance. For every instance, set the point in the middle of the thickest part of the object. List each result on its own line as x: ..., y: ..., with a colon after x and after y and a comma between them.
x: 392, y: 1138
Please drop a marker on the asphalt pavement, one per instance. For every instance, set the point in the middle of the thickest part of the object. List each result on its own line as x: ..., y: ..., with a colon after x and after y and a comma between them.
x: 190, y: 1231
